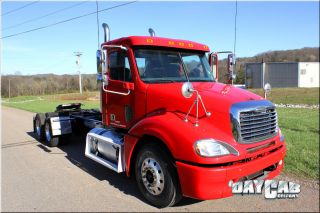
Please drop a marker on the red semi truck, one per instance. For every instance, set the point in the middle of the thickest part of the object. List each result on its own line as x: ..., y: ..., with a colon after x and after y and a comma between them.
x: 166, y: 120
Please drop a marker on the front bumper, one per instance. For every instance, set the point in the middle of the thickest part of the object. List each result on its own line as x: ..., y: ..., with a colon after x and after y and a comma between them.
x: 205, y: 183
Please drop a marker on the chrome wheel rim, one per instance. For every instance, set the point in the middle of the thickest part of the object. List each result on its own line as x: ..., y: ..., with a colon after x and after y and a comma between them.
x: 38, y: 127
x: 48, y: 134
x: 152, y: 176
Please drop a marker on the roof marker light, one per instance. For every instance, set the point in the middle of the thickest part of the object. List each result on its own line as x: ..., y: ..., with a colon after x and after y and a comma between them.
x: 149, y: 40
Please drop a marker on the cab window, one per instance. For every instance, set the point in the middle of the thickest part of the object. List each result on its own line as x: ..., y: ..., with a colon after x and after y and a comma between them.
x: 119, y: 66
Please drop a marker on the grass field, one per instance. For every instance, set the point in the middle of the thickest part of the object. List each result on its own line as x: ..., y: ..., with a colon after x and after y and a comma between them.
x: 301, y: 130
x: 48, y: 103
x: 308, y: 96
x: 300, y: 126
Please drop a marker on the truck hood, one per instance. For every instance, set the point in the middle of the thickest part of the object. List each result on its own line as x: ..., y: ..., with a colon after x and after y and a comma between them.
x: 217, y: 97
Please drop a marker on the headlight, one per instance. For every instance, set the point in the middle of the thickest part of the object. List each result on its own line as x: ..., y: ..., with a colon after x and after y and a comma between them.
x: 281, y: 135
x: 213, y: 148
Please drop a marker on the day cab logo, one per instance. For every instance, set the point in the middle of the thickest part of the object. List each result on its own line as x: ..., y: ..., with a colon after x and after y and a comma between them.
x: 271, y: 188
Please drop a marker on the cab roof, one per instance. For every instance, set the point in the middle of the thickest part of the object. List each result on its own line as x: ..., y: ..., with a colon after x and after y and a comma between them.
x: 158, y: 41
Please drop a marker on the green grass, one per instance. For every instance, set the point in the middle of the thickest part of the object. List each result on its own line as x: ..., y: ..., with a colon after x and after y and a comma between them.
x: 301, y: 130
x: 291, y: 95
x: 48, y: 103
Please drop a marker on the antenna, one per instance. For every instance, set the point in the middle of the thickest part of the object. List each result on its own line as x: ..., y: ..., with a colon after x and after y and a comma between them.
x: 78, y: 55
x: 235, y: 40
x: 97, y: 6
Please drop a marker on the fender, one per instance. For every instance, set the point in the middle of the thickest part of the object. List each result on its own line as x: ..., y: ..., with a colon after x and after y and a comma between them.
x: 177, y: 135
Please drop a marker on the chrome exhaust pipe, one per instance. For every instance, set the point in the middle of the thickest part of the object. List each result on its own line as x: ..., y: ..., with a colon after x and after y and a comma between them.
x: 106, y: 32
x: 152, y: 33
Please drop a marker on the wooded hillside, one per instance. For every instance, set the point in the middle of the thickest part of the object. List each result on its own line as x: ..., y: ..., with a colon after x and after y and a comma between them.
x: 45, y: 84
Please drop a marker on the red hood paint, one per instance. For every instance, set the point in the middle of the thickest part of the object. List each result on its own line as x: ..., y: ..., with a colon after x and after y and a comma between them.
x: 217, y: 97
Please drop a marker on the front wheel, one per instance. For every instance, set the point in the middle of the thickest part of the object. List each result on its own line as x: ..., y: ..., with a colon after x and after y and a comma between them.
x: 50, y: 139
x: 156, y: 177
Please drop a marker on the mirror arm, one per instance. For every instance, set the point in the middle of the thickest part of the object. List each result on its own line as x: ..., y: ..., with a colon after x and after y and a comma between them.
x: 196, y: 102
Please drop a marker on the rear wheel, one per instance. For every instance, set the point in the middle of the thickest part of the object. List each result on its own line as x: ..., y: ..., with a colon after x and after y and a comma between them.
x: 38, y: 127
x: 51, y: 140
x: 156, y: 177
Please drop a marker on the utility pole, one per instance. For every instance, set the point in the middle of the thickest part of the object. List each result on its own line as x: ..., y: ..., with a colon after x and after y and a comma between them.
x: 9, y: 87
x: 78, y: 55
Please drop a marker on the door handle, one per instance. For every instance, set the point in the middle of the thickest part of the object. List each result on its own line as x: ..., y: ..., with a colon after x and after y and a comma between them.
x: 115, y: 92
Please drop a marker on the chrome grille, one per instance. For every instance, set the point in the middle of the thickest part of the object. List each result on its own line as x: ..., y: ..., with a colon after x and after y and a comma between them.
x: 253, y: 121
x: 257, y: 125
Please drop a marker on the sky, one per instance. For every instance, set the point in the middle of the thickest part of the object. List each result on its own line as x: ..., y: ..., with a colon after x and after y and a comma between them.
x: 261, y: 26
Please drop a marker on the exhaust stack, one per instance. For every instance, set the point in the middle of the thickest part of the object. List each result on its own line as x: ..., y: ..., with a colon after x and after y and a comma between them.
x: 152, y: 33
x: 106, y: 32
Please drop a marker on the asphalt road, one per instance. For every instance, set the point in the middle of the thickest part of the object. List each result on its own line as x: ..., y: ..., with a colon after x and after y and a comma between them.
x: 38, y: 178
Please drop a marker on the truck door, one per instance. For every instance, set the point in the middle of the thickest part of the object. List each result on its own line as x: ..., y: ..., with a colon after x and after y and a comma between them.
x: 119, y: 90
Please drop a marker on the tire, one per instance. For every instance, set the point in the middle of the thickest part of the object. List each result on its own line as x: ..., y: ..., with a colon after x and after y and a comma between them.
x: 156, y: 177
x: 38, y: 126
x: 50, y: 140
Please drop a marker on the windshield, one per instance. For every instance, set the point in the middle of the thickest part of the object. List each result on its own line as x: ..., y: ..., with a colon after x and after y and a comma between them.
x: 160, y: 66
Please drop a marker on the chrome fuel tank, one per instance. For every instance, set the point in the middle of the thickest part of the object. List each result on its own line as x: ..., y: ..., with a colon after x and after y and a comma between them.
x: 106, y: 147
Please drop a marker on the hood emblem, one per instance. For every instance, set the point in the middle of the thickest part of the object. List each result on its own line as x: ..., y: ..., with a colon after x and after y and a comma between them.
x: 261, y: 110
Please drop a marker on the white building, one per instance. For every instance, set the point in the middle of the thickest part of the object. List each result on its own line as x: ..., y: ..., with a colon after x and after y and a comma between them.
x: 282, y: 74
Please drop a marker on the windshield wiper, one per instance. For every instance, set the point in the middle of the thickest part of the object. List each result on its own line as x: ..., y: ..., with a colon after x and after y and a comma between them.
x: 201, y: 80
x: 160, y: 81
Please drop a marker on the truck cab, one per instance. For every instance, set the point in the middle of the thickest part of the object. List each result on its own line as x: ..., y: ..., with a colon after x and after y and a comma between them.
x: 167, y: 121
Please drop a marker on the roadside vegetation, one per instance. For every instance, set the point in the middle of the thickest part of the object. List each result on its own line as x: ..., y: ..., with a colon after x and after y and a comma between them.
x: 45, y: 84
x: 300, y: 126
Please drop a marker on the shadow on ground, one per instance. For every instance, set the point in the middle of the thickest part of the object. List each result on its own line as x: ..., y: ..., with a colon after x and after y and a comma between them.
x: 74, y: 148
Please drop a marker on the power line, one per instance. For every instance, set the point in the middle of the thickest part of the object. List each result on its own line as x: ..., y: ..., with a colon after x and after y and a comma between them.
x: 60, y: 62
x: 67, y: 20
x: 44, y: 16
x: 20, y: 8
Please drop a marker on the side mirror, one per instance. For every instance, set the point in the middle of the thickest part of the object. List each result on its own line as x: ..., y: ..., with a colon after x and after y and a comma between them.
x: 187, y: 90
x: 232, y: 75
x: 99, y: 66
x: 213, y: 61
x: 102, y: 66
x: 267, y: 90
